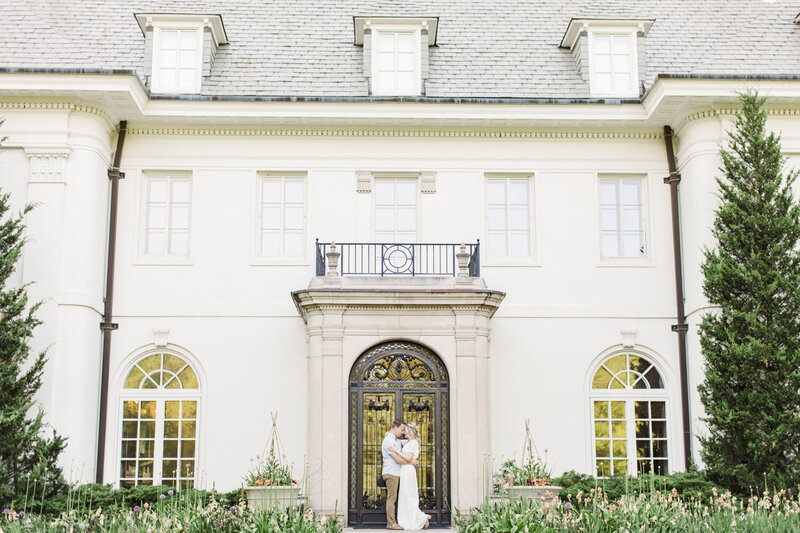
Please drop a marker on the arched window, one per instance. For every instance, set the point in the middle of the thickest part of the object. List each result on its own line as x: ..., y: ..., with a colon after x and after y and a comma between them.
x: 629, y: 415
x: 159, y: 423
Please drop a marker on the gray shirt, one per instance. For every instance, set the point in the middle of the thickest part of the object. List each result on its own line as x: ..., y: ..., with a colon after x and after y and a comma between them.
x: 390, y: 466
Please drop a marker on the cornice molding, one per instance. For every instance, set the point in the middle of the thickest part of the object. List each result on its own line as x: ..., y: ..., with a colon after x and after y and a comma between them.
x: 65, y: 106
x: 731, y: 111
x: 303, y: 132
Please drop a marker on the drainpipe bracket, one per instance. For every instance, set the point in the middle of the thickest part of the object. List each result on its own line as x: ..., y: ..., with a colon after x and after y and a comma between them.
x: 114, y: 173
x: 680, y: 327
x: 109, y: 326
x: 674, y: 177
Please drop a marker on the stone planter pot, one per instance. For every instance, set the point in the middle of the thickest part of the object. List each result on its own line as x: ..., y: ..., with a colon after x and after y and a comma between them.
x: 265, y: 498
x: 534, y: 492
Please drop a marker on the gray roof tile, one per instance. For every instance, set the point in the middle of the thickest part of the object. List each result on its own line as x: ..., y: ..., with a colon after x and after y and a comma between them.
x: 485, y: 48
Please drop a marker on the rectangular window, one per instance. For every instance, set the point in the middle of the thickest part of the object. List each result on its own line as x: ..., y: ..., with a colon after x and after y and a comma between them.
x: 612, y: 63
x: 177, y: 61
x: 282, y: 216
x: 167, y: 215
x: 396, y: 210
x: 610, y: 442
x: 396, y: 63
x: 509, y: 217
x: 622, y: 217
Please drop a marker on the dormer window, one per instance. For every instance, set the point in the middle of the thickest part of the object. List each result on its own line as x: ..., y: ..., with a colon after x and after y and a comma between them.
x: 609, y: 54
x: 180, y: 49
x: 396, y: 53
x: 177, y: 60
x: 396, y: 62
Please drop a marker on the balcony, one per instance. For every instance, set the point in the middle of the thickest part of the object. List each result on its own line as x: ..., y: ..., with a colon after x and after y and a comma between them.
x: 398, y: 259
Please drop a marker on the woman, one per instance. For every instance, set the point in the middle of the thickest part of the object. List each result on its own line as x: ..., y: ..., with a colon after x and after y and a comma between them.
x: 409, y: 515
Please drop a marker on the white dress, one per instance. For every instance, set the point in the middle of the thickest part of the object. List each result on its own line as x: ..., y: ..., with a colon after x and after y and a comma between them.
x: 409, y: 515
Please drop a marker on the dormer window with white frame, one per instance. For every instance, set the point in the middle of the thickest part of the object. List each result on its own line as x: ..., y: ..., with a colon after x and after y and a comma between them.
x: 609, y: 55
x: 180, y: 49
x: 396, y: 53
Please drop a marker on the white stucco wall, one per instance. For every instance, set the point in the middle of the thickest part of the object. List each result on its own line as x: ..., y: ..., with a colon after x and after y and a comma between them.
x: 232, y: 312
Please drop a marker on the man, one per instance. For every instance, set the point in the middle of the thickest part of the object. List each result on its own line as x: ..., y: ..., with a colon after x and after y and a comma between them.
x: 391, y: 469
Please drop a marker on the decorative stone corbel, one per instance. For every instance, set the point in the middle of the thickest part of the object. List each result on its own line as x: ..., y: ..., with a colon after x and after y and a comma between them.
x: 160, y: 334
x: 48, y: 165
x: 363, y: 181
x: 427, y: 182
x: 628, y: 337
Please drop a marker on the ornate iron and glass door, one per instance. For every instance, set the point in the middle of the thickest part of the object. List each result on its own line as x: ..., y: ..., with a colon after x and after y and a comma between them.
x: 407, y: 381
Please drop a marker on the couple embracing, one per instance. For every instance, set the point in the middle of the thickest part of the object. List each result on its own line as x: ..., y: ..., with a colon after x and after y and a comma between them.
x: 400, y: 475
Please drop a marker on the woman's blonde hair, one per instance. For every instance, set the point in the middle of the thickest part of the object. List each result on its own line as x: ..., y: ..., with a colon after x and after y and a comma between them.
x: 411, y: 429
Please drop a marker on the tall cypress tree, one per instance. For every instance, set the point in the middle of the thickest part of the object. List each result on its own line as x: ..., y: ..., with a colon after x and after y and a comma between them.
x: 751, y: 343
x: 27, y: 457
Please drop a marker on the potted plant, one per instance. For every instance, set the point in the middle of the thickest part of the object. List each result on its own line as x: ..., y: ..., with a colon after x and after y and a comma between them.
x: 530, y: 479
x: 269, y: 483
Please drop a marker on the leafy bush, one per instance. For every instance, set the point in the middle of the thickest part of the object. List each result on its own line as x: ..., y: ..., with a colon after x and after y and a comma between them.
x: 687, y: 484
x: 654, y: 512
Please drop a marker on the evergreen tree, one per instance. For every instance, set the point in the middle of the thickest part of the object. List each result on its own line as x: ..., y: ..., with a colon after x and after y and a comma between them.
x: 751, y: 344
x: 27, y: 457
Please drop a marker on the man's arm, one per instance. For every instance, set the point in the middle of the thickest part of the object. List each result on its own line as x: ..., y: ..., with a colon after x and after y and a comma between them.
x: 400, y: 458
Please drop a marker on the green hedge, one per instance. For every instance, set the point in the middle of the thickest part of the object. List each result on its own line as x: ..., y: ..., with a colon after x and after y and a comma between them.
x: 687, y: 484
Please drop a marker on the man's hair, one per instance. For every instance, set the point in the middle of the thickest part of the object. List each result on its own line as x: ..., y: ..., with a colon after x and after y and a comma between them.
x: 397, y: 423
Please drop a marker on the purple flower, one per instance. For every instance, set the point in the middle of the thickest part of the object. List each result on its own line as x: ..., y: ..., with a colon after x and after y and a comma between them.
x: 22, y: 513
x: 217, y: 523
x: 232, y: 508
x: 170, y: 492
x: 567, y: 506
x: 7, y: 511
x: 136, y: 508
x: 161, y: 496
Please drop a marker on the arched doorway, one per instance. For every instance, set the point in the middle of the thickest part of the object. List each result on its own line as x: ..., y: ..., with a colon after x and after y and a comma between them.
x: 398, y: 380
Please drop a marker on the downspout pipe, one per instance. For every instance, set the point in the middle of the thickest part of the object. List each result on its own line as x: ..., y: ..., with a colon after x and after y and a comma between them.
x: 107, y: 325
x: 681, y: 327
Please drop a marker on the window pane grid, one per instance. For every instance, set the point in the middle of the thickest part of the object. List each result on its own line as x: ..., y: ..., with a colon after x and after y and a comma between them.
x: 509, y: 217
x: 138, y: 443
x: 282, y: 216
x: 159, y: 436
x: 167, y: 215
x: 396, y: 58
x: 629, y: 432
x: 612, y: 63
x: 621, y: 217
x: 395, y: 210
x: 651, y: 437
x: 178, y: 59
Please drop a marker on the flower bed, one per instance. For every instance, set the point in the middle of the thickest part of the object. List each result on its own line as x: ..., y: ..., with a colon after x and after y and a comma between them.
x: 653, y: 512
x: 172, y: 513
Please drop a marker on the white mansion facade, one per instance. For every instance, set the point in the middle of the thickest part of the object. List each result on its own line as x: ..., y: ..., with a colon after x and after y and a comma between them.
x: 192, y: 171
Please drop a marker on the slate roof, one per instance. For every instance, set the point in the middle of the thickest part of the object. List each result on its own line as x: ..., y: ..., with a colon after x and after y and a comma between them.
x: 502, y: 48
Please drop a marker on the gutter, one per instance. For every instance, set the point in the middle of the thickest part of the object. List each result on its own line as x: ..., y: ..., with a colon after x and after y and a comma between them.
x: 107, y: 325
x: 396, y: 99
x: 681, y: 327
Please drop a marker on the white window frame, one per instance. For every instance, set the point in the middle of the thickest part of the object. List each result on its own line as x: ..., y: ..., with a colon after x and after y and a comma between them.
x: 415, y: 30
x: 532, y: 259
x: 645, y: 260
x: 160, y: 396
x: 157, y: 85
x: 258, y: 258
x: 633, y: 88
x: 396, y: 177
x: 144, y: 258
x: 629, y: 396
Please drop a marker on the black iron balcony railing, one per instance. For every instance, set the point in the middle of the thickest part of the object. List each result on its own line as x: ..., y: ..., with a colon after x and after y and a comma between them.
x: 390, y: 259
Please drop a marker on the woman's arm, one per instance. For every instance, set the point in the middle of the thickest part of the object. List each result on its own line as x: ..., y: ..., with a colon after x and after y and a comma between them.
x: 407, y: 457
